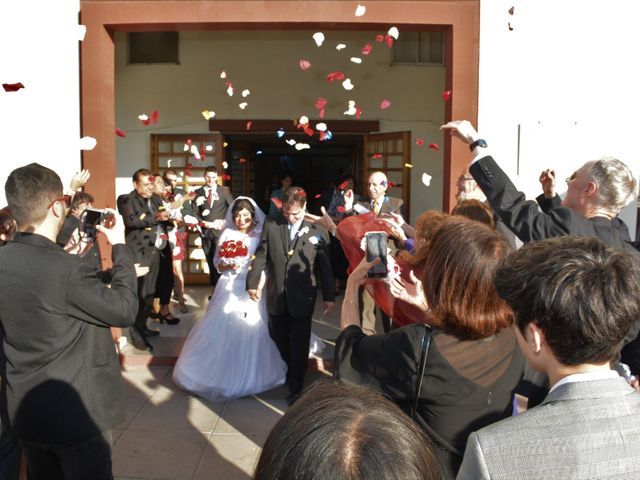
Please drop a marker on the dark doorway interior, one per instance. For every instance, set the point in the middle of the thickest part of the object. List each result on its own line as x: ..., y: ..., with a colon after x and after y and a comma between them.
x: 317, y: 169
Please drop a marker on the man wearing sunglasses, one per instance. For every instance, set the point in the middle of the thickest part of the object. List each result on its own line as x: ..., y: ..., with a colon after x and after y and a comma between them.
x: 63, y: 375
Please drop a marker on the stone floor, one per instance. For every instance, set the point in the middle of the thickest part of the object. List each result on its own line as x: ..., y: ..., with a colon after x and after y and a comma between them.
x: 169, y: 434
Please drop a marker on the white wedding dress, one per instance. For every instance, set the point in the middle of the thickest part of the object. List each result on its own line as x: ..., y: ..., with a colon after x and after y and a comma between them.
x: 229, y: 353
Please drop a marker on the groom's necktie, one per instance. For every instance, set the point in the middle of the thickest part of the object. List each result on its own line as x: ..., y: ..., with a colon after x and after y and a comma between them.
x: 210, y: 198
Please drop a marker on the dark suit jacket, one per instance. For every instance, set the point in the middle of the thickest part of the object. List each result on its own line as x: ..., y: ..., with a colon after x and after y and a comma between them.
x: 140, y: 224
x: 389, y: 205
x: 524, y: 218
x: 216, y: 212
x: 63, y: 375
x: 581, y: 430
x: 291, y: 265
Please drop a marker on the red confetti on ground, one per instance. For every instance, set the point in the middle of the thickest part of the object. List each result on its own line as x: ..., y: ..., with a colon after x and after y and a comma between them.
x: 305, y: 64
x: 379, y: 38
x: 389, y: 40
x: 277, y: 202
x: 335, y: 76
x: 120, y: 133
x: 12, y: 87
x: 341, y: 209
x: 343, y: 185
x: 511, y: 10
x: 249, y: 125
x: 376, y: 155
x: 385, y: 104
x: 419, y: 142
x: 317, y: 195
x: 366, y: 50
x: 243, y: 160
x: 446, y: 95
x: 434, y: 146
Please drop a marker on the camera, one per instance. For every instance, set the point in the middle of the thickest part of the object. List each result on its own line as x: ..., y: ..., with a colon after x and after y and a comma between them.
x: 376, y: 247
x: 92, y: 217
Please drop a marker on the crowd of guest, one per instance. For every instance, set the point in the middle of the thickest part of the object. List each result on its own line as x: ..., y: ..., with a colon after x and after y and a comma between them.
x: 501, y: 296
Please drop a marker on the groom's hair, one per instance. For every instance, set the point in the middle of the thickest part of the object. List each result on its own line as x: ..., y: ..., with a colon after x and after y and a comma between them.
x: 29, y: 190
x: 345, y: 431
x: 294, y: 195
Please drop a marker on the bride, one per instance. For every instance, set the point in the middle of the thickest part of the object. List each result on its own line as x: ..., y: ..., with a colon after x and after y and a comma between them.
x: 229, y: 353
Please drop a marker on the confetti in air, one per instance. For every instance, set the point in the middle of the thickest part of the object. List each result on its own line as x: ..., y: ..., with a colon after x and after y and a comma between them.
x: 88, y: 143
x: 302, y: 146
x: 318, y: 37
x: 248, y: 126
x: 426, y: 179
x: 446, y: 95
x: 419, y: 142
x: 290, y: 141
x: 304, y: 64
x: 393, y: 32
x: 12, y: 87
x: 280, y: 133
x: 341, y: 46
x: 356, y: 60
x: 243, y: 105
x: 120, y: 132
x: 360, y: 10
x: 321, y: 127
x: 223, y: 74
x: 208, y: 114
x: 408, y: 165
x: 246, y: 92
x: 347, y: 84
x: 384, y: 104
x: 434, y: 146
x: 351, y: 110
x: 366, y: 50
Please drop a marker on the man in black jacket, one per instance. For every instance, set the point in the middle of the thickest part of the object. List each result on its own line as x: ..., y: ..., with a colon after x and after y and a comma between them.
x: 63, y: 376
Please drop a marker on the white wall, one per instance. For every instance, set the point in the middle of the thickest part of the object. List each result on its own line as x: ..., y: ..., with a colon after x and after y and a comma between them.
x: 567, y: 75
x: 267, y: 64
x: 40, y: 123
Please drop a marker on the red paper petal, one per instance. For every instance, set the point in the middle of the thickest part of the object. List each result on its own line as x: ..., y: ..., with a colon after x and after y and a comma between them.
x: 12, y: 87
x: 321, y: 103
x: 152, y: 178
x: 392, y: 184
x: 226, y: 177
x: 189, y: 165
x: 358, y: 112
x: 419, y: 141
x: 305, y: 64
x: 321, y: 113
x: 446, y: 95
x: 308, y: 130
x: 511, y: 10
x: 385, y: 104
x: 434, y: 146
x: 249, y: 123
x: 243, y: 160
x: 187, y: 173
x: 343, y: 185
x: 335, y: 76
x: 376, y: 155
x: 120, y: 133
x: 379, y: 38
x: 277, y: 202
x: 317, y: 195
x: 147, y: 121
x: 341, y: 209
x: 366, y: 50
x: 389, y: 40
x: 154, y: 116
x: 189, y: 141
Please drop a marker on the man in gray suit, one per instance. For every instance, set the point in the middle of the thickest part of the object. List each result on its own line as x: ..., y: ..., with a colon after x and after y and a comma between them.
x: 574, y: 300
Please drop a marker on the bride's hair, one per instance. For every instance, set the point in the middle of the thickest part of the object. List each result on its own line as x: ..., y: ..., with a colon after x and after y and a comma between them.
x: 241, y: 204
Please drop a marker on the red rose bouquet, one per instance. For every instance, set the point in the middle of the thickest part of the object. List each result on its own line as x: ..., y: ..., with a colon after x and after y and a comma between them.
x: 233, y: 252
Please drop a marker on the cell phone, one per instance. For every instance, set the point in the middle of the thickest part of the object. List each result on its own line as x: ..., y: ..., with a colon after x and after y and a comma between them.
x: 376, y: 247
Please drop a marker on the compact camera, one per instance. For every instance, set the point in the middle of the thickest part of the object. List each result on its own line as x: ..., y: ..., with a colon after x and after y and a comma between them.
x: 92, y: 217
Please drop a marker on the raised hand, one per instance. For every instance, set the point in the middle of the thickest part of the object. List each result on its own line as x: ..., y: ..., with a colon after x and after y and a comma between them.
x: 115, y: 233
x: 461, y: 129
x: 411, y: 292
x: 79, y: 180
x: 325, y: 220
x: 548, y: 182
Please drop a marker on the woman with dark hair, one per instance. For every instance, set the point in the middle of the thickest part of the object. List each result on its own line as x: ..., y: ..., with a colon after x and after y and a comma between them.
x: 286, y: 180
x: 229, y: 353
x: 336, y: 431
x: 473, y: 363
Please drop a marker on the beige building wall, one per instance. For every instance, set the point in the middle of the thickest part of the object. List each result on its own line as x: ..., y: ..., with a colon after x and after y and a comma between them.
x: 267, y: 63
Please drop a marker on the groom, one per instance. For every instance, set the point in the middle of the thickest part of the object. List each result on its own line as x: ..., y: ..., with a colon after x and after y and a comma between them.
x: 291, y: 249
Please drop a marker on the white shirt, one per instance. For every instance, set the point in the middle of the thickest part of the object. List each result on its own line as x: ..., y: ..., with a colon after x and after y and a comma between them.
x: 293, y: 229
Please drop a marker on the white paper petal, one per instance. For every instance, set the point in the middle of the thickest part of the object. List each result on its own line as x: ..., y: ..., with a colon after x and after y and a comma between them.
x: 341, y: 46
x: 230, y: 91
x: 206, y: 212
x: 246, y: 92
x: 243, y: 105
x: 426, y: 179
x: 347, y: 85
x: 302, y: 146
x: 209, y: 148
x: 82, y: 31
x: 225, y: 165
x: 88, y: 143
x: 318, y: 37
x: 195, y: 152
x: 290, y: 141
x: 393, y: 32
x: 321, y: 127
x: 223, y: 74
x: 303, y: 120
x: 356, y: 59
x: 360, y: 10
x: 169, y: 163
x: 351, y: 110
x: 143, y: 117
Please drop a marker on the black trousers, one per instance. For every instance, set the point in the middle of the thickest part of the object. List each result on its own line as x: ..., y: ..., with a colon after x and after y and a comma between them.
x: 146, y: 290
x: 89, y: 458
x: 291, y: 335
x: 209, y: 247
x: 166, y: 279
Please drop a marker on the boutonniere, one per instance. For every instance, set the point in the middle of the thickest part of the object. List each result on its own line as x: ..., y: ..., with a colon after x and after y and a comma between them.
x: 215, y: 196
x: 315, y: 239
x: 303, y: 231
x: 290, y: 252
x: 200, y: 200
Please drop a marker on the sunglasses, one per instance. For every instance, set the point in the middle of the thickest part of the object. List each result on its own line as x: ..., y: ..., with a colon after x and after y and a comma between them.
x: 65, y: 198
